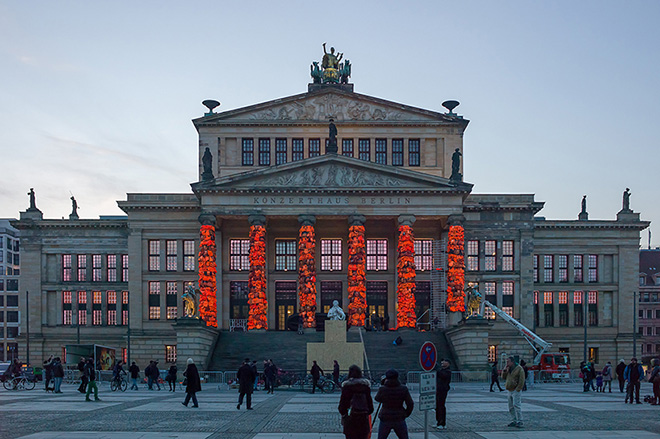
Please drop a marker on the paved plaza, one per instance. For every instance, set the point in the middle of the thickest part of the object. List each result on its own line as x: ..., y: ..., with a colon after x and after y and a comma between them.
x: 549, y: 411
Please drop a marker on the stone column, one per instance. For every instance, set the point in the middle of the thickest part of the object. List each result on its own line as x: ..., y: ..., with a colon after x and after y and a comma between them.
x: 307, y: 270
x: 456, y: 268
x: 257, y: 299
x: 405, y: 316
x: 218, y: 276
x: 357, y: 284
x: 208, y: 310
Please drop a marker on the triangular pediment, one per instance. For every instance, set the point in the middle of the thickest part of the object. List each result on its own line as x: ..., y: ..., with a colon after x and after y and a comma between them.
x: 332, y: 172
x: 326, y: 103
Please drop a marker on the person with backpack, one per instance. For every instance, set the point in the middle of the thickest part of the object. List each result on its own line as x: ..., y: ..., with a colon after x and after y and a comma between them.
x: 83, y: 378
x: 607, y: 377
x: 356, y: 405
x: 134, y: 370
x: 397, y: 405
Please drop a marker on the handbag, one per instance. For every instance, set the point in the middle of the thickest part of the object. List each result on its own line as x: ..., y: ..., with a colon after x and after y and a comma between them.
x: 185, y: 382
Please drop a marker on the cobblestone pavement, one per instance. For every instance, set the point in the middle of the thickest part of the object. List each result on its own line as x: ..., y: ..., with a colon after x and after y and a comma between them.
x: 557, y: 411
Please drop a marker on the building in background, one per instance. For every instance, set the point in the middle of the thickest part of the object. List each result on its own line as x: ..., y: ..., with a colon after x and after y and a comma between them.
x: 649, y: 303
x: 10, y: 271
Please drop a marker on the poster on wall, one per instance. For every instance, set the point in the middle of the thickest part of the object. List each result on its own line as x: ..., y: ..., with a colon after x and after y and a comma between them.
x: 105, y: 357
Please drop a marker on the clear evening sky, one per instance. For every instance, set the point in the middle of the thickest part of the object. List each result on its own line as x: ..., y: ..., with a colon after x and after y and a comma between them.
x: 96, y: 97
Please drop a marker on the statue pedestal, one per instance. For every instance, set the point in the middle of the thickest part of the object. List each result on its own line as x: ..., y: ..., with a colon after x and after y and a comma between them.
x: 335, y: 347
x: 469, y: 340
x: 194, y: 340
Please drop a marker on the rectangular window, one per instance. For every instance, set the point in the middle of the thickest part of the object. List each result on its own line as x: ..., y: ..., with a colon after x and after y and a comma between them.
x: 347, y: 147
x: 593, y: 268
x: 82, y: 308
x: 124, y: 268
x: 188, y: 255
x: 592, y: 298
x: 12, y: 301
x: 96, y: 268
x: 171, y: 300
x: 330, y: 291
x: 154, y: 300
x: 536, y: 308
x: 12, y: 284
x: 563, y: 297
x: 423, y: 254
x: 297, y: 150
x: 413, y: 152
x: 239, y: 254
x: 82, y: 268
x: 578, y: 274
x: 397, y: 152
x: 285, y: 255
x: 381, y: 151
x: 364, y: 149
x: 280, y: 151
x: 111, y: 297
x: 563, y: 308
x: 170, y: 256
x: 490, y: 294
x: 548, y: 266
x: 314, y: 147
x: 507, y: 255
x: 111, y: 261
x: 66, y: 268
x: 238, y: 300
x: 170, y: 353
x: 490, y: 255
x: 508, y: 310
x: 66, y: 308
x: 536, y: 267
x: 154, y: 255
x: 124, y: 308
x: 376, y: 254
x: 248, y: 152
x: 562, y: 262
x: 547, y: 298
x: 331, y: 254
x: 578, y: 309
x: 264, y: 152
x: 97, y: 313
x: 548, y: 309
x: 472, y: 255
x: 593, y: 355
x: 492, y: 353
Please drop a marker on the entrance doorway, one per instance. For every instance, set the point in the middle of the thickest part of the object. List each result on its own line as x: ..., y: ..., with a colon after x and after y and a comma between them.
x: 422, y: 301
x: 238, y: 300
x: 286, y: 295
x: 330, y: 290
x: 377, y: 305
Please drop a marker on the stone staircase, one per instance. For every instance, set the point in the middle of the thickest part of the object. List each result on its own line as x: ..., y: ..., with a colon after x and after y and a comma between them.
x: 288, y: 349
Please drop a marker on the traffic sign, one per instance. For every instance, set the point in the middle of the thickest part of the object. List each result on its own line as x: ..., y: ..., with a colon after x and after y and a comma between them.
x: 427, y: 382
x: 428, y: 356
x: 427, y: 402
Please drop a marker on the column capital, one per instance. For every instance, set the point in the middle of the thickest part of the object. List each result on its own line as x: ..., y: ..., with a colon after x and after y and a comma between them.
x: 356, y: 220
x: 257, y: 220
x: 455, y: 220
x: 307, y: 220
x: 407, y: 220
x: 206, y: 219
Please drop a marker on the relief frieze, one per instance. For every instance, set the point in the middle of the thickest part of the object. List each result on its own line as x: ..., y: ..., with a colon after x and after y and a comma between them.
x: 330, y: 176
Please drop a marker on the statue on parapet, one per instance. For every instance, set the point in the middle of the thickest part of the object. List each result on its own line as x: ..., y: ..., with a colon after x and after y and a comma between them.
x: 189, y: 298
x: 626, y: 200
x: 74, y: 208
x: 584, y: 204
x: 332, y: 138
x: 456, y: 166
x: 473, y: 301
x: 33, y: 201
x: 344, y: 71
x: 207, y: 163
x: 330, y: 64
x: 336, y: 313
x: 315, y: 72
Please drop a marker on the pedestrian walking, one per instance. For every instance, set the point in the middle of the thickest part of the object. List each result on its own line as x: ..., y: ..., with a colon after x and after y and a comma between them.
x: 270, y: 375
x: 246, y: 379
x: 515, y: 380
x: 620, y: 369
x: 633, y: 374
x: 134, y: 370
x: 599, y: 382
x: 495, y: 377
x: 193, y: 383
x: 655, y: 380
x: 335, y: 372
x: 526, y: 370
x: 48, y: 373
x: 397, y: 405
x: 171, y: 378
x: 256, y: 374
x: 90, y: 373
x: 442, y: 380
x: 586, y: 375
x: 316, y: 373
x: 592, y: 375
x: 607, y: 377
x: 152, y: 373
x: 58, y: 374
x: 83, y: 378
x: 356, y: 405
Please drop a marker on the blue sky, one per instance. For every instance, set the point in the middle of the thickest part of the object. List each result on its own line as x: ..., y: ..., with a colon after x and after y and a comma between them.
x: 562, y: 96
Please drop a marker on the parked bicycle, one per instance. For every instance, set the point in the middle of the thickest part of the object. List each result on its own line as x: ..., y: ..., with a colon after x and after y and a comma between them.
x: 119, y: 382
x: 19, y: 383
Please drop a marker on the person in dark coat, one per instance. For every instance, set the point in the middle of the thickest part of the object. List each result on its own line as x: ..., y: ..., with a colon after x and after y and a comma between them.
x: 171, y: 377
x: 356, y: 405
x: 393, y: 396
x: 58, y: 374
x: 48, y: 372
x: 193, y: 383
x: 335, y: 372
x: 526, y: 370
x: 633, y: 373
x: 246, y: 379
x: 256, y: 374
x: 442, y: 380
x: 495, y: 378
x: 270, y: 373
x: 135, y: 374
x: 316, y: 373
x: 620, y: 368
x: 83, y: 377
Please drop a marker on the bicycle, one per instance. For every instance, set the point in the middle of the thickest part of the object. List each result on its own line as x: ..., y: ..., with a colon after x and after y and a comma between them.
x: 19, y: 383
x: 119, y: 383
x: 326, y: 384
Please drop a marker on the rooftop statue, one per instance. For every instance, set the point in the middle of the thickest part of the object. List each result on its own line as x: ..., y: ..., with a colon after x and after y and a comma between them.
x: 336, y: 313
x: 456, y: 166
x: 330, y: 60
x: 74, y: 208
x: 207, y: 162
x: 626, y: 200
x: 344, y: 71
x: 332, y: 138
x: 331, y: 71
x: 584, y: 204
x: 33, y: 202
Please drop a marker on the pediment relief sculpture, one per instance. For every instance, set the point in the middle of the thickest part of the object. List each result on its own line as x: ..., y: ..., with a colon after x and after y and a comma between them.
x: 329, y: 176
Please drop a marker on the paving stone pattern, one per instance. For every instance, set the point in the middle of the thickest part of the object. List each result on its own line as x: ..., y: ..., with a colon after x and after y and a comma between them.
x: 550, y: 411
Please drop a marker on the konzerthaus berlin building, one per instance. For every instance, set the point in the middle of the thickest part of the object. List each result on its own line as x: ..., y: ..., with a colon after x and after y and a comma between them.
x: 279, y: 223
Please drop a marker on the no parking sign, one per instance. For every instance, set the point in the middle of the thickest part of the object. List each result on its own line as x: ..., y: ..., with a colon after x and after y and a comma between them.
x: 428, y: 356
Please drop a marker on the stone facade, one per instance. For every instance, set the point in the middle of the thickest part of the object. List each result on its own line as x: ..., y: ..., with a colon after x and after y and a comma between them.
x: 9, y: 287
x: 268, y: 162
x: 648, y: 311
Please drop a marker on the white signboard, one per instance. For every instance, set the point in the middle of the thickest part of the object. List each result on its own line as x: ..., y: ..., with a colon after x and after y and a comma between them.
x: 427, y: 402
x: 427, y: 382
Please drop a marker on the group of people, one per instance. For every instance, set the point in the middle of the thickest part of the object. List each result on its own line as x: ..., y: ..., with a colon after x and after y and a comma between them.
x: 628, y: 375
x: 53, y: 371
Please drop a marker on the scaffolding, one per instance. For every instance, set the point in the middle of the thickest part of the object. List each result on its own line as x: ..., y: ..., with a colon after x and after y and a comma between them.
x: 438, y: 317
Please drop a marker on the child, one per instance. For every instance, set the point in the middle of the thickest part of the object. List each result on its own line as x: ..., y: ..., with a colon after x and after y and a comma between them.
x: 599, y: 382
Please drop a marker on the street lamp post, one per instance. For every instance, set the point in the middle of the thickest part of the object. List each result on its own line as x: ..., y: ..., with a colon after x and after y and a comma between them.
x: 128, y: 332
x: 585, y: 315
x: 634, y: 323
x: 27, y: 323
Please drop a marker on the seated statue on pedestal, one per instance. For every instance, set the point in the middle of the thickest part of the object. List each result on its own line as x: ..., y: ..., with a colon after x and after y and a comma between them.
x: 336, y: 313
